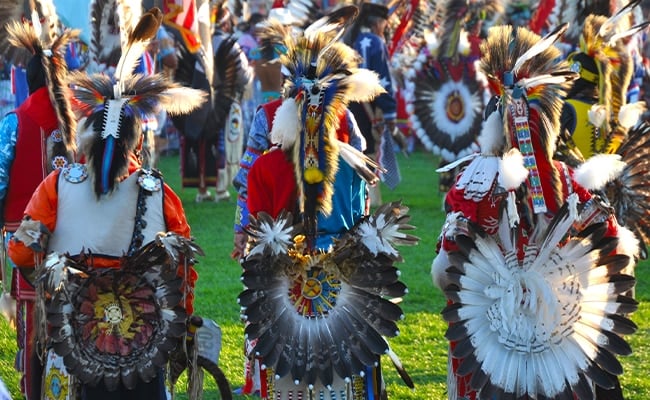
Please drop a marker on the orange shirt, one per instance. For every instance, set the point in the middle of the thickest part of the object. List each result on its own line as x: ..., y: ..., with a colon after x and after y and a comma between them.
x: 43, y: 207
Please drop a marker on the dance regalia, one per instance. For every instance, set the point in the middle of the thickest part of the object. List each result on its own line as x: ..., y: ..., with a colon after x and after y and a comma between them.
x: 312, y: 301
x: 526, y: 251
x: 113, y: 292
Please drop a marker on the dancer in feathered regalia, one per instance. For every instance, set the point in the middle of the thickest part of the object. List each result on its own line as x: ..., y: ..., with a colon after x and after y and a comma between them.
x: 529, y: 260
x: 598, y: 119
x: 113, y: 292
x: 36, y: 138
x: 318, y: 288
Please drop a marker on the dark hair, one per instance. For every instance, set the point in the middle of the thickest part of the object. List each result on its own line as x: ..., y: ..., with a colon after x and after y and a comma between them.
x: 35, y: 74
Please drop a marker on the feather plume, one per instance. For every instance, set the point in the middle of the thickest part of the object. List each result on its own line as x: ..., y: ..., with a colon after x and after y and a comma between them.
x: 599, y: 170
x: 51, y: 52
x: 137, y: 41
x: 548, y: 40
x: 364, y: 166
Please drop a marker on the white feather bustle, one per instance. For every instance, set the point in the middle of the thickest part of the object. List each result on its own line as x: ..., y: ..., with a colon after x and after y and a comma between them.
x: 628, y: 244
x: 491, y: 139
x: 285, y: 129
x: 598, y: 170
x: 512, y: 172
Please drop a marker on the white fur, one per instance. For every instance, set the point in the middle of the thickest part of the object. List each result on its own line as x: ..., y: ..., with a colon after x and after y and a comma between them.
x: 598, y: 170
x: 438, y: 268
x: 512, y: 172
x: 491, y: 139
x: 285, y: 129
x: 182, y: 100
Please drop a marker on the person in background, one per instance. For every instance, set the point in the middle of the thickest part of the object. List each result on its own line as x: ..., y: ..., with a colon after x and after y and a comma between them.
x: 36, y: 138
x: 378, y: 116
x: 6, y: 95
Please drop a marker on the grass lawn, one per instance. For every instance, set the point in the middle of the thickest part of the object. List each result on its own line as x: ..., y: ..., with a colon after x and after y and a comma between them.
x: 421, y: 345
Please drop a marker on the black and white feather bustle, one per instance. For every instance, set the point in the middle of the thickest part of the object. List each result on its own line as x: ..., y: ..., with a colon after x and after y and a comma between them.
x: 544, y: 327
x: 118, y: 325
x: 317, y: 315
x: 629, y: 193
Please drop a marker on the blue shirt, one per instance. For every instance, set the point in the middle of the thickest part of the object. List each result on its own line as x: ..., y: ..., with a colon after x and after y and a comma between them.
x: 374, y: 53
x: 8, y: 137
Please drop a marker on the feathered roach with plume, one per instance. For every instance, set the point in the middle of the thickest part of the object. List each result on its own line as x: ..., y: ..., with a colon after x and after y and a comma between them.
x: 108, y: 142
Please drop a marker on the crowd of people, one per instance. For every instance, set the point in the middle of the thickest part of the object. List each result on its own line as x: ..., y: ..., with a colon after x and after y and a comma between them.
x: 296, y: 110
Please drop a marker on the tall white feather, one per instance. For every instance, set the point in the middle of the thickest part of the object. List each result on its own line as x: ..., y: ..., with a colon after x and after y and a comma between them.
x: 540, y: 46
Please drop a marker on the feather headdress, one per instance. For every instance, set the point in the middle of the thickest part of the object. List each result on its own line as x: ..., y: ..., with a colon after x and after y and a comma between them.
x: 44, y: 41
x: 113, y: 107
x: 323, y: 77
x: 529, y: 81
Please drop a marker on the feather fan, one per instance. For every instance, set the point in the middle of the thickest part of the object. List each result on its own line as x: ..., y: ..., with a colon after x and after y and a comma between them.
x: 341, y: 331
x: 629, y: 194
x: 102, y: 341
x: 543, y: 326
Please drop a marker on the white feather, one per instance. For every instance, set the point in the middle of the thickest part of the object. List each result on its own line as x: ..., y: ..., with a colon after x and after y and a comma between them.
x: 630, y: 114
x: 599, y: 170
x: 364, y: 85
x: 512, y: 172
x: 476, y: 180
x: 181, y: 100
x: 546, y: 79
x: 628, y: 244
x: 285, y: 129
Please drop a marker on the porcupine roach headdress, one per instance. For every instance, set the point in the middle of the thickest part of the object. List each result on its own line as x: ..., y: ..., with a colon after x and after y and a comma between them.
x: 43, y: 42
x: 529, y: 81
x: 323, y: 78
x: 601, y: 40
x: 113, y: 106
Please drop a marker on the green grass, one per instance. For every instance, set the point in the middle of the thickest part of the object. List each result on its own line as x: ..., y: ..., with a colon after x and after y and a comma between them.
x: 421, y: 345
